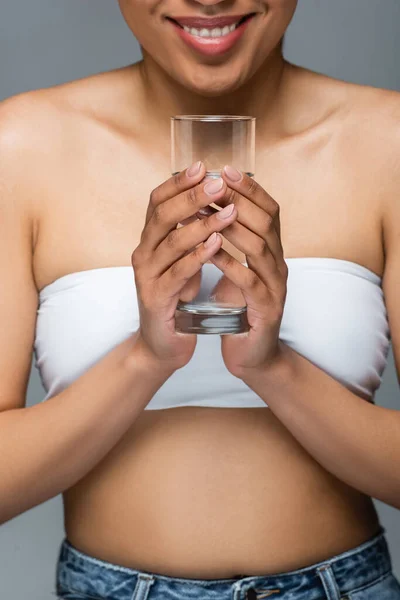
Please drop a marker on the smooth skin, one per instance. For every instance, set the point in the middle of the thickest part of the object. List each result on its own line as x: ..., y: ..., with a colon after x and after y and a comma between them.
x: 192, y: 491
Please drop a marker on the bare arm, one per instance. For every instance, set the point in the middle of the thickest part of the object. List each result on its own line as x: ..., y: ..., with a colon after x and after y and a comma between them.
x: 45, y: 449
x: 355, y: 440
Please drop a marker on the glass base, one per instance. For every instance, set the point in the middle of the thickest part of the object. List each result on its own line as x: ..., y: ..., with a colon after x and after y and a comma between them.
x: 209, y: 318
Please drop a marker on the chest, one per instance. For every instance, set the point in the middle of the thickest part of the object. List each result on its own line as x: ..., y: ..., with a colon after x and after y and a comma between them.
x: 95, y: 212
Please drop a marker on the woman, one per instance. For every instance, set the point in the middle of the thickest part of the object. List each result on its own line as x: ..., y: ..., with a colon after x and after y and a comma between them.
x: 250, y: 474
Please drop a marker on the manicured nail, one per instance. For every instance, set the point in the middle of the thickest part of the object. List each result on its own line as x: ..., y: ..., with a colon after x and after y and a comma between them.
x: 211, y: 240
x: 232, y: 173
x: 213, y: 186
x: 194, y: 169
x: 225, y: 212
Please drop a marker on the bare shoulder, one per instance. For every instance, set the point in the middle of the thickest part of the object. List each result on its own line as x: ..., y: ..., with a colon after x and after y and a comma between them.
x: 373, y: 117
x: 34, y: 135
x: 361, y: 110
x: 371, y: 145
x: 381, y: 115
x: 44, y: 132
x: 375, y: 114
x: 365, y: 128
x: 360, y: 129
x: 27, y: 132
x: 362, y: 124
x: 26, y: 122
x: 36, y: 118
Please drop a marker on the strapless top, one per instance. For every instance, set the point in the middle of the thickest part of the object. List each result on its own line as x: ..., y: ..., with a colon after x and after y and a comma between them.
x: 334, y: 315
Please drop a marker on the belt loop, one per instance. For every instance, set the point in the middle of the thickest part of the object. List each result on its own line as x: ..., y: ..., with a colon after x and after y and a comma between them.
x: 236, y: 590
x: 329, y: 582
x: 142, y: 587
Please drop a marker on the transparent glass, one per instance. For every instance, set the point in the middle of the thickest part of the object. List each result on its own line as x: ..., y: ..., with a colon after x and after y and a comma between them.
x: 210, y: 303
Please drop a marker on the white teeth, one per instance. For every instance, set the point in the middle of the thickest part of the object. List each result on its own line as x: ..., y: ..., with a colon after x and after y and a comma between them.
x: 217, y: 32
x: 206, y: 33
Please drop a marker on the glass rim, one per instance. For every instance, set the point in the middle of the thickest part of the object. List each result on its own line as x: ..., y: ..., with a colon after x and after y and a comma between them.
x: 212, y: 118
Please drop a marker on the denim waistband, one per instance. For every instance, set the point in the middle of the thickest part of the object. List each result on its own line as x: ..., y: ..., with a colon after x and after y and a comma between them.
x: 330, y: 578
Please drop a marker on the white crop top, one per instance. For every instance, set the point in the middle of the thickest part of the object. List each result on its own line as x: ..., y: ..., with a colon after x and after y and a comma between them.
x: 334, y: 315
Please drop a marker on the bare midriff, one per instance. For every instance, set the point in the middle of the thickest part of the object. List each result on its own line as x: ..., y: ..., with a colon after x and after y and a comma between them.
x: 213, y: 492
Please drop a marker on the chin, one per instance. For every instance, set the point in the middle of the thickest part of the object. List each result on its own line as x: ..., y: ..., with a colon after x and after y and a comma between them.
x: 215, y: 85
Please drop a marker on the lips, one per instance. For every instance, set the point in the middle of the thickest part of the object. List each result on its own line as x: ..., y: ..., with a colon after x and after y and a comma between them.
x: 209, y: 23
x: 212, y: 46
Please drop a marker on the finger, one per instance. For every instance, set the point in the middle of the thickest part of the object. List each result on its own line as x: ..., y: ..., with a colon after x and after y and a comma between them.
x: 249, y: 188
x: 176, y: 184
x: 206, y: 211
x: 265, y: 247
x: 188, y: 220
x: 175, y: 278
x: 167, y: 214
x: 177, y: 243
x: 259, y: 214
x: 250, y: 220
x: 254, y: 289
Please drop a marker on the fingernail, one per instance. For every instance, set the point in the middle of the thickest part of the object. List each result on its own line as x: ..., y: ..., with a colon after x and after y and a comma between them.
x: 214, y: 186
x: 232, y: 173
x: 226, y: 212
x: 206, y: 211
x: 211, y: 240
x: 194, y: 169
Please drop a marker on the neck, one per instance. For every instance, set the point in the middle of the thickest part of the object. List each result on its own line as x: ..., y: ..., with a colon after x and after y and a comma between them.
x: 163, y: 96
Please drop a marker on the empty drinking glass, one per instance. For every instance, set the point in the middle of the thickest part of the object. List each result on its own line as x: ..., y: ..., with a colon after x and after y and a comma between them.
x: 217, y: 305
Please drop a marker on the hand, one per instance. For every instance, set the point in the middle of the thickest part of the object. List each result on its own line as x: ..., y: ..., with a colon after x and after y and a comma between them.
x: 167, y: 264
x: 256, y: 233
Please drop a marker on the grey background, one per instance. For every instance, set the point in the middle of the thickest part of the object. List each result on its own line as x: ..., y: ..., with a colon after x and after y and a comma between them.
x: 46, y: 42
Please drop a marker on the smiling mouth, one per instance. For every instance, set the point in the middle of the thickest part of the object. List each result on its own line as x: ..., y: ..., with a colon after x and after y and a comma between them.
x: 216, y: 31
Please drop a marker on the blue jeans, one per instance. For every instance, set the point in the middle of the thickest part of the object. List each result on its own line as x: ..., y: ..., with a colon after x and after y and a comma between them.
x: 362, y: 573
